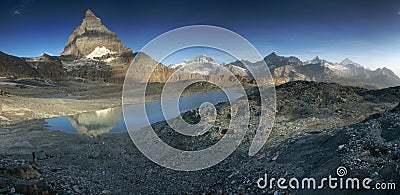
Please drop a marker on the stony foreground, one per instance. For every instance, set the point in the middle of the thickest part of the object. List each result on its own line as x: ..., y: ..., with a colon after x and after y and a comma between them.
x: 319, y: 127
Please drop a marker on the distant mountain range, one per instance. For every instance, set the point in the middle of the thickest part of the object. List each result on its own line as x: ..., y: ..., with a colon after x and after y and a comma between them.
x: 286, y: 69
x: 346, y: 72
x: 205, y: 65
x: 93, y: 52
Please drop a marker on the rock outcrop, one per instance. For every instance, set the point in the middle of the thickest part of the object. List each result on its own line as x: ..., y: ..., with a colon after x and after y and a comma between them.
x: 4, y: 93
x: 48, y: 67
x: 14, y: 67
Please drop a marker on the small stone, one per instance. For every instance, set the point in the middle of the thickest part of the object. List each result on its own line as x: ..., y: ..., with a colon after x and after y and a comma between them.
x: 106, y: 192
x: 365, y: 153
x: 30, y: 172
x: 76, y: 188
x: 94, y: 154
x: 41, y: 155
x: 341, y: 147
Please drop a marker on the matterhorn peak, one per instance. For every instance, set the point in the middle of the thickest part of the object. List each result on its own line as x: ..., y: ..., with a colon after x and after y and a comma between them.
x: 93, y: 40
x: 90, y: 15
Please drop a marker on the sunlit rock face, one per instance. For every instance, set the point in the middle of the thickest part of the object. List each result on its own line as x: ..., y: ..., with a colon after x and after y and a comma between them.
x: 92, y: 39
x: 96, y: 123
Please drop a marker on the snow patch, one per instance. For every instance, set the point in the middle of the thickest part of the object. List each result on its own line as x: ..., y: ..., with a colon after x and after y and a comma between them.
x: 336, y: 67
x: 3, y: 118
x: 99, y: 52
x: 240, y: 68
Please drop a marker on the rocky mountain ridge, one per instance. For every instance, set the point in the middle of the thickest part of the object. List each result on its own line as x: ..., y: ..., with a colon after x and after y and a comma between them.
x: 93, y: 52
x: 346, y: 72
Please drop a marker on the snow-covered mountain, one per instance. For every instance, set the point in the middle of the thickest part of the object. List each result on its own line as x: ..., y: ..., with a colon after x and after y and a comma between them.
x: 205, y: 65
x: 346, y: 72
x: 291, y: 68
x: 315, y: 60
x: 350, y: 73
x: 347, y: 62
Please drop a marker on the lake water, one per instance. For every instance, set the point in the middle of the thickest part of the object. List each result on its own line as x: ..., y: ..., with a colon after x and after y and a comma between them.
x: 111, y: 120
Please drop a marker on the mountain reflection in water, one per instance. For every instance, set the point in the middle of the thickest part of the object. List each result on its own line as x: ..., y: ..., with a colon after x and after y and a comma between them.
x: 111, y: 120
x: 96, y: 123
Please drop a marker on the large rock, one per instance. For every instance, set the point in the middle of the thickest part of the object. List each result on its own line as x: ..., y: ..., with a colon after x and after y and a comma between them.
x: 4, y: 93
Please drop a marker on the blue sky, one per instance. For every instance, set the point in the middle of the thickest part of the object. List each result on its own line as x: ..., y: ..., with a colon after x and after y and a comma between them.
x: 368, y: 32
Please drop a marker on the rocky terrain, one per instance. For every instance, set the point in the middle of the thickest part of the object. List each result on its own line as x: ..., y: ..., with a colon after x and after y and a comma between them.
x: 319, y: 127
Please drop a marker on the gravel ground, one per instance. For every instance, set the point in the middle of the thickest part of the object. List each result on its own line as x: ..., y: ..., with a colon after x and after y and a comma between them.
x: 363, y: 137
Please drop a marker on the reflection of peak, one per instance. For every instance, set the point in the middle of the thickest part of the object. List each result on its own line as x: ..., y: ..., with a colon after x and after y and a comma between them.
x: 96, y: 123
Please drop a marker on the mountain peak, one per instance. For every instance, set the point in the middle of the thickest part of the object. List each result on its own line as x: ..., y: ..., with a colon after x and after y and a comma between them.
x: 273, y: 54
x: 92, y: 38
x: 274, y: 60
x: 203, y: 58
x: 316, y: 58
x: 347, y: 62
x: 201, y: 64
x: 90, y: 15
